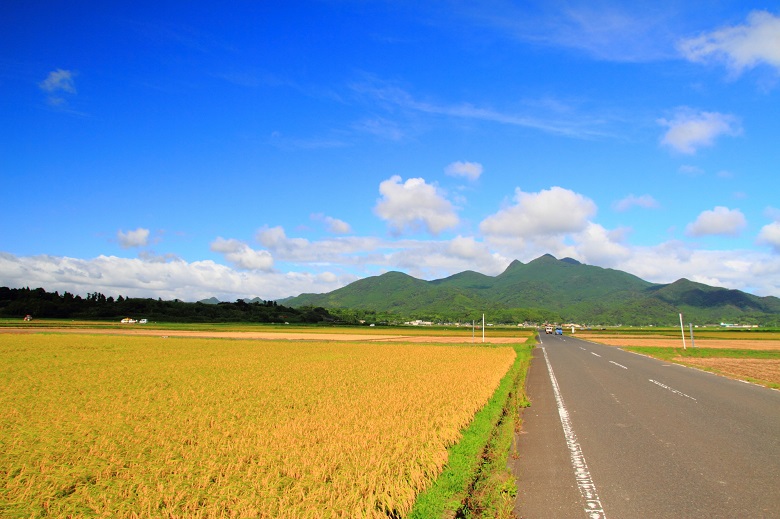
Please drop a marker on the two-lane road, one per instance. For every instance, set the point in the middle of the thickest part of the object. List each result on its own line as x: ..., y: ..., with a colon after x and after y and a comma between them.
x: 614, y: 434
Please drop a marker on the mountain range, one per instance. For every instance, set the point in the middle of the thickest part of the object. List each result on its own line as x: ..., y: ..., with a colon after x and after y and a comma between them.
x: 548, y: 289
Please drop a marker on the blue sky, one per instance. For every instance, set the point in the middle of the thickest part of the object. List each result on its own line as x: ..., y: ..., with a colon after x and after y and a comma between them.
x: 265, y: 149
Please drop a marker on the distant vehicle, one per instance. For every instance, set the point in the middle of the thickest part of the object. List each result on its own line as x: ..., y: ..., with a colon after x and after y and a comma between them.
x: 559, y: 331
x: 143, y: 321
x: 548, y: 329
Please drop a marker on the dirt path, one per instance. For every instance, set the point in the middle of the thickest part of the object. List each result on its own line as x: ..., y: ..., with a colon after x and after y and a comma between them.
x: 292, y: 336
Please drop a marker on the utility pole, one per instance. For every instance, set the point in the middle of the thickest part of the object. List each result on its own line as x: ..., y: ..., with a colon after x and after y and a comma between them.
x: 682, y: 329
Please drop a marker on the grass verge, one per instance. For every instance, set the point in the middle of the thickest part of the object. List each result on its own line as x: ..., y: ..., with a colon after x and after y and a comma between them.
x: 476, y: 482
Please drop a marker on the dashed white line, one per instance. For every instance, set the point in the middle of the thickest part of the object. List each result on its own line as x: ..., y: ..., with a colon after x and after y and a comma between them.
x: 671, y: 389
x: 596, y: 354
x: 618, y: 365
x: 593, y: 508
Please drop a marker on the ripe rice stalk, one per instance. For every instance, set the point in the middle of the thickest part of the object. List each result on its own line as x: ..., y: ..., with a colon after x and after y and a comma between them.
x: 138, y: 426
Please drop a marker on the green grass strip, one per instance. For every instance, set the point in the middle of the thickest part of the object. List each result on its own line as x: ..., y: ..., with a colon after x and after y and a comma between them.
x: 481, y: 453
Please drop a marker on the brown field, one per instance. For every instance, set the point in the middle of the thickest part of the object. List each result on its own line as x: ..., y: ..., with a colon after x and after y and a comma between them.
x: 668, y: 342
x: 765, y: 371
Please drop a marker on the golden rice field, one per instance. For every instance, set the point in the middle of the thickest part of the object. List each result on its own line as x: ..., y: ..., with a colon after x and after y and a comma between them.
x: 123, y: 426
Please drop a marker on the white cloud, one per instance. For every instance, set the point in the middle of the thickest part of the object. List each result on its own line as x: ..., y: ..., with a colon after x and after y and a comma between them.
x: 470, y: 170
x: 136, y: 238
x: 770, y: 235
x: 58, y: 82
x: 645, y: 201
x: 549, y: 212
x: 414, y: 204
x: 719, y: 221
x: 596, y: 245
x: 242, y: 255
x: 333, y: 225
x: 689, y: 130
x: 337, y: 226
x: 740, y: 47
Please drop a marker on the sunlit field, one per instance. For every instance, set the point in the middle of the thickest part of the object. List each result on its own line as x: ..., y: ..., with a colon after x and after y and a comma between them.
x: 121, y: 426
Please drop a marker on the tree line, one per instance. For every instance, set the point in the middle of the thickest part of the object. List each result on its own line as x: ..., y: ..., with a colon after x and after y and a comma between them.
x: 40, y: 304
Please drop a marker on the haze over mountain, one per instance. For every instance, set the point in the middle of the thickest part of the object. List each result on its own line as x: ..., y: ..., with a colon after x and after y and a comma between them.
x: 549, y: 289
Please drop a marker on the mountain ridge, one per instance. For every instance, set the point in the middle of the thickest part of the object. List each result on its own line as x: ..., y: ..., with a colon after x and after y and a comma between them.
x: 548, y: 288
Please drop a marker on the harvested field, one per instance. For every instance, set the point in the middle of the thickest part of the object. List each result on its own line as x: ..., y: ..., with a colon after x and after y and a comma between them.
x: 667, y: 342
x: 765, y: 370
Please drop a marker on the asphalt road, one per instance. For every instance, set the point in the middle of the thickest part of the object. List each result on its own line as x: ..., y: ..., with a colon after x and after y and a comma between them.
x: 614, y: 434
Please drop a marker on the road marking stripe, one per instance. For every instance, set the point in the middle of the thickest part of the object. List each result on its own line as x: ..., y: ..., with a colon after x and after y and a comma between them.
x: 671, y: 389
x: 593, y: 508
x: 618, y: 365
x: 596, y: 354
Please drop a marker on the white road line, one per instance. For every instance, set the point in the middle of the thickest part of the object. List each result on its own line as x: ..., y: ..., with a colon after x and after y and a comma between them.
x: 671, y: 389
x: 593, y: 508
x: 596, y: 354
x: 618, y: 365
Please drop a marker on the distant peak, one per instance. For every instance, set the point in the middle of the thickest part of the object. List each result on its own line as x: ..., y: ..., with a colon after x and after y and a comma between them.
x: 571, y: 261
x: 545, y: 259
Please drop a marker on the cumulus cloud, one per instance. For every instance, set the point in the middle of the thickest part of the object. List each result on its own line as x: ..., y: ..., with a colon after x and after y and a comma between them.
x: 551, y: 211
x: 598, y: 246
x: 414, y: 204
x: 719, y: 221
x: 645, y: 201
x: 242, y: 255
x: 770, y: 235
x: 469, y: 170
x: 689, y: 130
x: 57, y: 83
x: 136, y: 238
x: 741, y: 46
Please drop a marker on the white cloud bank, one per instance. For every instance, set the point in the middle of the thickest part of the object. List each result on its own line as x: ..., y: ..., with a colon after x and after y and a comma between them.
x: 740, y: 47
x: 555, y: 220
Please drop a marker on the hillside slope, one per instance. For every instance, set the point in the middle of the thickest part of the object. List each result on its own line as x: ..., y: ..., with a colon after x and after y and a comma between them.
x: 549, y: 289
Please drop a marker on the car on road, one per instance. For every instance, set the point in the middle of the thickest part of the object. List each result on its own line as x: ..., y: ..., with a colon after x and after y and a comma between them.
x: 548, y: 329
x: 559, y: 331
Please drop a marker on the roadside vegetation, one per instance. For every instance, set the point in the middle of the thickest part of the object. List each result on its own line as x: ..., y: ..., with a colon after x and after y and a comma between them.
x: 476, y: 482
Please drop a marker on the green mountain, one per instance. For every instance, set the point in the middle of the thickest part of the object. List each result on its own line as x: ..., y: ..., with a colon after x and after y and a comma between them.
x: 547, y: 289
